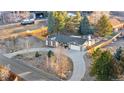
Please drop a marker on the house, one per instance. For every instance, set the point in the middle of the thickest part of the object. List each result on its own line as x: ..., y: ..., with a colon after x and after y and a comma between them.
x: 96, y: 15
x: 12, y: 16
x: 40, y: 14
x: 116, y: 24
x: 71, y: 14
x: 70, y: 42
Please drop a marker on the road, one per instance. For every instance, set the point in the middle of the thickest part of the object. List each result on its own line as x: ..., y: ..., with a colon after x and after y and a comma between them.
x: 116, y: 44
x: 26, y: 72
x: 76, y: 56
x: 14, y: 30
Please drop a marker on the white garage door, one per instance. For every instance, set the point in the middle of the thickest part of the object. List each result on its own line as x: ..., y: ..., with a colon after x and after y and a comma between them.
x: 74, y: 47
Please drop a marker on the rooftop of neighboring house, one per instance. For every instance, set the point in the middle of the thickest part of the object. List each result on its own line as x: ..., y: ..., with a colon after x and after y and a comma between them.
x: 115, y: 22
x: 71, y: 14
x: 76, y: 40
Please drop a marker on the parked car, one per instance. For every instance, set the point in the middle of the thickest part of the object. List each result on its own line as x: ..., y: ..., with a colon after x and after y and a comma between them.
x: 27, y: 21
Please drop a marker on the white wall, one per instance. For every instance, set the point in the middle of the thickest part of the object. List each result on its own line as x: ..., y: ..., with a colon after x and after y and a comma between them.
x: 46, y: 42
x: 56, y: 44
x: 51, y: 43
x: 74, y: 47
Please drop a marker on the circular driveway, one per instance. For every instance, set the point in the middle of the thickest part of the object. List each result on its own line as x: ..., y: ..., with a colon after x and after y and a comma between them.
x: 76, y: 56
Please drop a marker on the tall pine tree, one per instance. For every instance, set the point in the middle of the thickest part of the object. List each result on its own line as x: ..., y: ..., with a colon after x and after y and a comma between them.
x: 117, y: 55
x: 103, y: 67
x: 103, y: 26
x: 60, y: 20
x: 56, y: 21
x: 51, y: 22
x: 73, y: 23
x: 85, y: 27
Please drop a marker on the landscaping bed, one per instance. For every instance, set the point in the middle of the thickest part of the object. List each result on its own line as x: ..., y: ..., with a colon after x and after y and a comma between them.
x: 61, y: 67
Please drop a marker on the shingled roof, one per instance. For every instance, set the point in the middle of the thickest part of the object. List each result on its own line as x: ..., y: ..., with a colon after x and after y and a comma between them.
x: 114, y: 22
x: 67, y: 39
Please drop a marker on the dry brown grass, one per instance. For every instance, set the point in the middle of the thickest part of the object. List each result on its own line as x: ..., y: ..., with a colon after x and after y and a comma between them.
x: 7, y: 75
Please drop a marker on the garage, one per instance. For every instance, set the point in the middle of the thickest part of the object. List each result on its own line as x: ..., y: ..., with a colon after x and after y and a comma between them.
x: 75, y: 47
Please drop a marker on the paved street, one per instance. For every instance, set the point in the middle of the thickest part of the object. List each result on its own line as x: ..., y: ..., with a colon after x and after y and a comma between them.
x: 116, y: 44
x: 7, y: 32
x: 76, y: 56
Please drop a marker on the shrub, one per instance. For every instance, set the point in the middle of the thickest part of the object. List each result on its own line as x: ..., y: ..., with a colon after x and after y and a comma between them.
x: 50, y: 53
x: 37, y: 54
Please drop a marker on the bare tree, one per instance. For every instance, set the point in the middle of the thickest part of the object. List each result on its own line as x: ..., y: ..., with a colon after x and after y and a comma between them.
x: 4, y: 73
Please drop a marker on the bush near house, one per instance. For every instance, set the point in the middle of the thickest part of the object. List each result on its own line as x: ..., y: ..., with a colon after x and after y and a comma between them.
x: 50, y: 53
x: 37, y: 54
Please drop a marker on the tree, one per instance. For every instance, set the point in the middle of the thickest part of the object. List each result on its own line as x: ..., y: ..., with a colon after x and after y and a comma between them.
x: 69, y: 27
x: 45, y: 14
x: 77, y: 20
x: 85, y: 27
x: 60, y: 20
x: 50, y: 53
x: 56, y: 21
x: 104, y: 27
x: 121, y: 58
x: 37, y: 54
x: 4, y: 73
x: 117, y: 55
x: 51, y: 22
x: 78, y: 16
x: 73, y: 23
x: 103, y: 67
x: 96, y: 53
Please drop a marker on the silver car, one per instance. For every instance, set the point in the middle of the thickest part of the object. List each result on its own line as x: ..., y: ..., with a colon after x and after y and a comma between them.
x: 27, y: 21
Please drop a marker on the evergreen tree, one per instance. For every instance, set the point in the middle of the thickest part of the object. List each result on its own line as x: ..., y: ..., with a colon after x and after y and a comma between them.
x: 60, y: 20
x: 96, y: 53
x: 104, y: 27
x: 85, y: 27
x: 117, y: 55
x: 51, y: 22
x: 45, y: 14
x: 73, y: 23
x: 78, y: 16
x: 103, y: 67
x: 50, y: 53
x: 37, y: 54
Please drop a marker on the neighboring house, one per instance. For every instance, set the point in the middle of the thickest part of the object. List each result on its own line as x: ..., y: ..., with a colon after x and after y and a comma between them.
x: 12, y: 16
x: 96, y: 15
x: 116, y: 24
x: 40, y: 14
x: 70, y: 42
x: 83, y: 13
x: 71, y: 14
